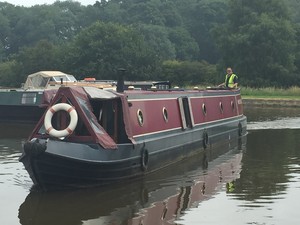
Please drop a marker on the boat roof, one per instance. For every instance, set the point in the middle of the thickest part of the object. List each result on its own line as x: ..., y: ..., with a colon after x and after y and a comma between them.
x: 48, y: 74
x: 41, y: 79
x: 96, y: 93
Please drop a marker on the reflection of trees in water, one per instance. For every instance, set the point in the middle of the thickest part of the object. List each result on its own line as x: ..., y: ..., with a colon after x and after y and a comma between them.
x: 10, y: 146
x: 9, y: 130
x: 265, y: 170
x: 269, y: 113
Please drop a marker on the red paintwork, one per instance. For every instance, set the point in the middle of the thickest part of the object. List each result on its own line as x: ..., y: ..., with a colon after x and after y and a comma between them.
x: 151, y: 104
x: 70, y: 94
x: 153, y: 116
x: 152, y: 110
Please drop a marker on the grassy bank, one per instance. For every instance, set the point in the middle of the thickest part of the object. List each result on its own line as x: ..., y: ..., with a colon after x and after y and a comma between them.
x: 271, y: 92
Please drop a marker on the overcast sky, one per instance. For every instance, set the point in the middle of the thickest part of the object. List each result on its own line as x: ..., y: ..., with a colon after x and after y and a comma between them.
x: 28, y: 3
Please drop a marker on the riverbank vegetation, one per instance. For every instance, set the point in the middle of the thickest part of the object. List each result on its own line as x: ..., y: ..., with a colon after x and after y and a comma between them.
x: 187, y: 42
x: 271, y: 93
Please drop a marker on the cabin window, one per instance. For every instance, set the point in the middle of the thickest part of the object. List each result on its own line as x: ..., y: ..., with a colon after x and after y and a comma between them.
x: 186, y: 112
x: 204, y: 109
x: 221, y: 107
x: 165, y: 114
x: 28, y: 98
x: 140, y: 117
x: 232, y: 105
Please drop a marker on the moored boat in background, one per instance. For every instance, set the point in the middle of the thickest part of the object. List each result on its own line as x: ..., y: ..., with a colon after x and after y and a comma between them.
x: 27, y: 104
x: 91, y: 137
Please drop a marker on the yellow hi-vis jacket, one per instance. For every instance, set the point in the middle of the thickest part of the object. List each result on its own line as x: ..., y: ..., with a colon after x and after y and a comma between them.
x: 230, y: 83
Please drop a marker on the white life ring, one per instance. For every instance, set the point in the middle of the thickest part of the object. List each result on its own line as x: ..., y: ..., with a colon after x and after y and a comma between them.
x: 73, y: 120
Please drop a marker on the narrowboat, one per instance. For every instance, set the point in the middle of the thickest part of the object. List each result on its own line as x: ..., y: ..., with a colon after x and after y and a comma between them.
x: 89, y: 136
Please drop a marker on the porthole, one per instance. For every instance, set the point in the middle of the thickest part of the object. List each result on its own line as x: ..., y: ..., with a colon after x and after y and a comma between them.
x: 140, y: 117
x: 221, y: 107
x: 204, y: 109
x: 165, y: 114
x: 232, y: 105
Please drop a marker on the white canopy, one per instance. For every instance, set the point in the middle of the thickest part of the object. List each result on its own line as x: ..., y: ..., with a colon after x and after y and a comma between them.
x: 41, y: 79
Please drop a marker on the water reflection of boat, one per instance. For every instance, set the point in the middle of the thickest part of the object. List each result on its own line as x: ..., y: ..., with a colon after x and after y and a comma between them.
x: 222, y: 171
x: 157, y: 199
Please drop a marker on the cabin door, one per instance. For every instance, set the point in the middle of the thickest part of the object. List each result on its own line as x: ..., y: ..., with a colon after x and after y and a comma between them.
x: 187, y: 119
x: 110, y: 116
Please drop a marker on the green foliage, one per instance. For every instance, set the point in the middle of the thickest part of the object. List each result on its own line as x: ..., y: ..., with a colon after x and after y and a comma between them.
x: 199, y: 18
x: 184, y: 73
x: 9, y: 74
x: 186, y: 47
x: 102, y: 48
x: 4, y: 27
x: 111, y: 11
x: 294, y: 10
x: 259, y: 41
x: 297, y: 55
x: 155, y: 39
x: 271, y: 92
x: 42, y: 56
x: 145, y: 12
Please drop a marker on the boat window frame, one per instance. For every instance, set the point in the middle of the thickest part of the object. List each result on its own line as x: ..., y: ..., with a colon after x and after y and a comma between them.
x: 204, y: 110
x: 140, y: 117
x: 165, y: 114
x: 232, y: 105
x: 221, y: 107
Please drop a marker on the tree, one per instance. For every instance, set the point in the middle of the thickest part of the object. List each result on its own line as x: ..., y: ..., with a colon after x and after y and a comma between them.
x: 297, y: 55
x: 102, y: 48
x: 186, y: 46
x: 143, y: 11
x: 9, y: 72
x: 5, y: 32
x: 189, y: 72
x: 157, y: 39
x: 258, y: 41
x: 294, y: 10
x: 199, y: 18
x: 107, y: 11
x: 42, y: 56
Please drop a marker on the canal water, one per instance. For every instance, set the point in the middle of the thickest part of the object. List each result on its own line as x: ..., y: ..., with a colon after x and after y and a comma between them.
x: 255, y: 180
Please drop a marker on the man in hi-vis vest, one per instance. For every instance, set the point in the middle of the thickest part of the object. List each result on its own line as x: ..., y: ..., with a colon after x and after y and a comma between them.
x: 231, y: 80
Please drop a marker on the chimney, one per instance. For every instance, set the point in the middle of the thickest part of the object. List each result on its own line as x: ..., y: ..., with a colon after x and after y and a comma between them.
x: 120, y: 81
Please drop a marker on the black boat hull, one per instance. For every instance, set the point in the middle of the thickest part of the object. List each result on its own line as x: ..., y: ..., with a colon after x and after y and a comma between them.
x: 55, y: 164
x: 25, y: 114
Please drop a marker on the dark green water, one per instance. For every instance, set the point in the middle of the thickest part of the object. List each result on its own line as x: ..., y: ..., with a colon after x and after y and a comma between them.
x: 256, y: 181
x: 268, y: 188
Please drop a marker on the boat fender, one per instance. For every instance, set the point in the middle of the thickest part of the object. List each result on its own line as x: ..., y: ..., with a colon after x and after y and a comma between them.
x: 205, y: 139
x: 144, y: 159
x: 34, y: 148
x: 73, y: 120
x: 240, y: 130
